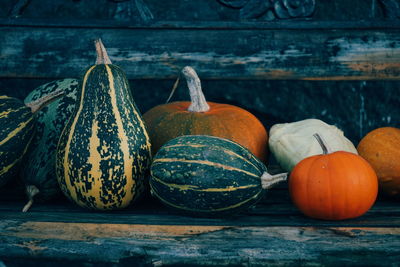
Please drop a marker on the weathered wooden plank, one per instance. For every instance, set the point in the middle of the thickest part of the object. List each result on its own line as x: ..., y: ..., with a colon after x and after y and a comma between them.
x: 310, y: 54
x: 383, y: 214
x: 197, y: 245
x: 292, y: 220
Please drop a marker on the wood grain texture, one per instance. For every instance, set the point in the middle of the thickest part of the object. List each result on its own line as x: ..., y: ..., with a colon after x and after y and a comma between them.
x: 274, y: 233
x: 243, y: 53
x: 274, y: 210
x: 196, y: 245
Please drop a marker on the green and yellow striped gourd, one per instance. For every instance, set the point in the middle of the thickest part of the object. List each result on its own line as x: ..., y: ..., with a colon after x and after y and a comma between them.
x: 104, y: 150
x: 17, y: 123
x: 207, y: 175
x: 38, y: 171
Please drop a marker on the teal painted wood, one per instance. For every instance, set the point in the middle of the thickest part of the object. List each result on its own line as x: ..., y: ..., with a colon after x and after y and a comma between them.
x: 104, y: 152
x: 252, y: 50
x: 273, y: 233
x: 206, y: 175
x: 39, y: 163
x: 16, y: 131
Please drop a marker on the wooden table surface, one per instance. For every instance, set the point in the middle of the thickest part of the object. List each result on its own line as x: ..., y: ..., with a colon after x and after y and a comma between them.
x: 273, y: 233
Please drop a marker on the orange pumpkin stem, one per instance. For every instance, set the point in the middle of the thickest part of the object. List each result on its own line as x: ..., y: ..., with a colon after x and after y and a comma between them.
x: 199, y: 103
x: 102, y: 55
x: 37, y: 105
x: 325, y: 149
x: 268, y: 181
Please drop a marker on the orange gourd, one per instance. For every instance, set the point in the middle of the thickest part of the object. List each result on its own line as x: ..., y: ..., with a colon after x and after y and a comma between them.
x: 381, y: 148
x: 198, y: 117
x: 333, y: 186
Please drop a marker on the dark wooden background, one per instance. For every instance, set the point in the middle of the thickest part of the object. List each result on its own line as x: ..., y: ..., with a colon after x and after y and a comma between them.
x: 341, y: 64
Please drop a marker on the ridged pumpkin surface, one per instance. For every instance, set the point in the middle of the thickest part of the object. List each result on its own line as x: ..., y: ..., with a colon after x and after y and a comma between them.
x: 168, y: 121
x: 381, y: 148
x: 16, y: 131
x: 104, y: 151
x: 337, y: 186
x: 206, y: 175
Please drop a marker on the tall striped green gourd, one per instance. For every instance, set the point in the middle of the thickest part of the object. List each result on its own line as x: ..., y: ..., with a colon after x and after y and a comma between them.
x: 104, y: 150
x: 207, y: 175
x: 17, y: 122
x: 38, y: 171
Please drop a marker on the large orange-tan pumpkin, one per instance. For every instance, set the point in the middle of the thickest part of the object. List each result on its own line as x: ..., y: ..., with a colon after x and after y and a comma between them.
x: 198, y: 117
x: 381, y: 148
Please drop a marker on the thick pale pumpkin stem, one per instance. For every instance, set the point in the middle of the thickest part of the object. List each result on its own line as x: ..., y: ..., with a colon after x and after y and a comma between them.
x: 199, y: 103
x: 37, y: 105
x: 268, y: 181
x: 31, y: 192
x: 322, y: 143
x: 102, y: 56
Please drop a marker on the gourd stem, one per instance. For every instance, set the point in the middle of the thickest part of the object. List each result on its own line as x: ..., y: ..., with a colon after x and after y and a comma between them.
x: 31, y: 191
x: 268, y: 181
x: 322, y: 143
x: 102, y: 55
x: 40, y: 103
x: 199, y: 103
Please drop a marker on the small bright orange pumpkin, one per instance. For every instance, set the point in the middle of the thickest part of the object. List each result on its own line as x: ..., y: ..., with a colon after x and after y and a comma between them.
x: 381, y: 148
x: 333, y: 186
x: 198, y: 117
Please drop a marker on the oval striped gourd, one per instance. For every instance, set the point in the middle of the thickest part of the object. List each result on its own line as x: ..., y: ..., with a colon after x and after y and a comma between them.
x: 38, y: 170
x: 17, y: 122
x: 104, y: 150
x: 207, y: 175
x: 16, y: 128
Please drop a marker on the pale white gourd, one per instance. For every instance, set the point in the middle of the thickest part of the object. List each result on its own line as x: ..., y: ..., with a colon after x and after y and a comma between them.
x: 292, y: 142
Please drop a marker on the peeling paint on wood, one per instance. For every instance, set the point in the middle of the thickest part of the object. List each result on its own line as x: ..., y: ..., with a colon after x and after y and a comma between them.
x: 228, y: 246
x: 378, y: 58
x: 31, y: 246
x: 160, y: 53
x: 89, y: 231
x: 274, y: 233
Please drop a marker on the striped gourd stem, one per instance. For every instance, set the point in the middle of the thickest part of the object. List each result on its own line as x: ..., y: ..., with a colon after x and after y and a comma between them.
x: 268, y: 181
x: 40, y: 103
x: 31, y: 192
x: 102, y: 55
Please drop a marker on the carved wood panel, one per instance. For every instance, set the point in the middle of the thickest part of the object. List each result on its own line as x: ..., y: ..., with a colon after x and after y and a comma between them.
x: 272, y: 9
x: 146, y: 11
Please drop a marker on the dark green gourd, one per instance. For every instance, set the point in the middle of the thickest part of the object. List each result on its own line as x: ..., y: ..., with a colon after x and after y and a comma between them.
x: 208, y: 175
x: 104, y: 150
x: 38, y: 170
x: 17, y: 122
